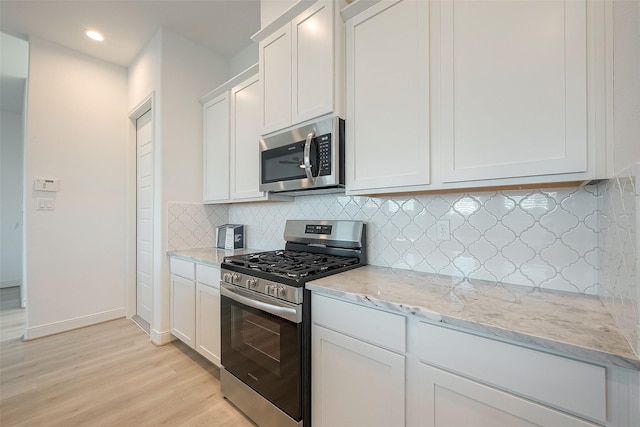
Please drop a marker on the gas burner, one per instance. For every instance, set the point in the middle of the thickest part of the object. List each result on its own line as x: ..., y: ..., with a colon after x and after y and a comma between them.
x: 292, y: 264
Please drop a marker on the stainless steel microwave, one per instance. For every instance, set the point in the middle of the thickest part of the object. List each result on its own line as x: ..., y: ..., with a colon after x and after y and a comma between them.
x: 306, y: 158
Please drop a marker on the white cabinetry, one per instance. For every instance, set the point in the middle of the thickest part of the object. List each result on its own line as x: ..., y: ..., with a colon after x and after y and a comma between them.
x: 195, y: 307
x: 452, y: 400
x: 364, y: 360
x: 216, y: 149
x: 245, y: 137
x: 301, y: 68
x: 462, y: 94
x: 463, y: 377
x: 388, y: 96
x: 208, y: 312
x: 355, y: 380
x: 183, y: 298
x: 513, y: 88
x: 231, y: 145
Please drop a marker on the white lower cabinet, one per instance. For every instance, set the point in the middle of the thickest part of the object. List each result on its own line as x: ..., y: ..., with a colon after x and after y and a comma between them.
x: 208, y: 312
x: 449, y: 400
x: 354, y: 382
x: 195, y: 307
x: 371, y: 367
x: 344, y: 367
x: 183, y: 298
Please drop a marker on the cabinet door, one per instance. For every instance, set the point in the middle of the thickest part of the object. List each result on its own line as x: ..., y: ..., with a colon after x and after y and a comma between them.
x: 355, y: 383
x: 388, y: 96
x: 312, y: 63
x: 513, y: 88
x: 275, y: 75
x: 245, y: 137
x: 216, y: 149
x: 208, y: 322
x: 183, y: 306
x: 451, y: 400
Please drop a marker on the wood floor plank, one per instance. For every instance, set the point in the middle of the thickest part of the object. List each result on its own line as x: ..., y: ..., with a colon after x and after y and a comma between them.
x: 105, y: 375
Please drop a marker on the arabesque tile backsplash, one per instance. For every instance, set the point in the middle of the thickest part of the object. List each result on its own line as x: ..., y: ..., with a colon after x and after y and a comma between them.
x: 540, y: 238
x: 573, y: 239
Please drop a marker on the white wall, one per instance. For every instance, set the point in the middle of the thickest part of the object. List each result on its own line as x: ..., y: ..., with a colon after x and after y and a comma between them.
x: 271, y: 9
x: 11, y: 176
x: 77, y: 132
x: 244, y: 59
x: 179, y: 72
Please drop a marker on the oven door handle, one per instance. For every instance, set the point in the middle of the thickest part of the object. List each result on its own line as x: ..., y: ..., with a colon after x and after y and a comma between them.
x: 250, y: 299
x: 307, y: 157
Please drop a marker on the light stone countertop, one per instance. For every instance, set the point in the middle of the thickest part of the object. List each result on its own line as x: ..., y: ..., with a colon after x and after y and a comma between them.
x: 211, y: 256
x: 566, y: 323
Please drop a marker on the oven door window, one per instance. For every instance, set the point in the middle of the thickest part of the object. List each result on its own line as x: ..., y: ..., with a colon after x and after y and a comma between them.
x: 264, y: 351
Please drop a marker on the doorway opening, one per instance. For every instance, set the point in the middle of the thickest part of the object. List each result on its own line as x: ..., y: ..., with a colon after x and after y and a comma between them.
x: 13, y: 85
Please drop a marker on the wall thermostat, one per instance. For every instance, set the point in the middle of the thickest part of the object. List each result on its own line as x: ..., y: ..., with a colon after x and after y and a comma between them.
x: 45, y: 184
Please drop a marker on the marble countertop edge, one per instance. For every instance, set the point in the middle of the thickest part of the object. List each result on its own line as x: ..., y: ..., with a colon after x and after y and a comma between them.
x: 529, y: 340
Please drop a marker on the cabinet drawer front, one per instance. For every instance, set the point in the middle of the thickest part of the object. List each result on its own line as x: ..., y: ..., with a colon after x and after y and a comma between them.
x: 367, y: 324
x: 208, y: 275
x: 182, y: 268
x: 567, y: 384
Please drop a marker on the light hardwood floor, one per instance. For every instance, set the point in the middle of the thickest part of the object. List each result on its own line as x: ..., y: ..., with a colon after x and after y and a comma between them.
x: 105, y: 375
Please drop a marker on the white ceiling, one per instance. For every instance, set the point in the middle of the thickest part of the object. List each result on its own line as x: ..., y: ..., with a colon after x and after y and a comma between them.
x: 223, y: 26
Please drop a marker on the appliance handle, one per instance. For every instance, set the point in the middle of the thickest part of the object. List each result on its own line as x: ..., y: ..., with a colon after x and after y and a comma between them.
x: 250, y: 299
x: 307, y: 157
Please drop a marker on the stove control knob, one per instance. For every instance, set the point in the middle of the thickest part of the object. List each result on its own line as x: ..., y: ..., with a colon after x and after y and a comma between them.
x: 226, y: 277
x: 235, y: 278
x: 252, y: 283
x: 268, y: 289
x: 282, y: 292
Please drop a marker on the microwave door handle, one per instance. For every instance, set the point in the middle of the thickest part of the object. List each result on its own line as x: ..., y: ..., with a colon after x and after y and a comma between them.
x: 307, y: 157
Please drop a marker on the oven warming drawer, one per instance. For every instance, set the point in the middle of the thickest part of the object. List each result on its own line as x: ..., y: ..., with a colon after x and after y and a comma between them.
x: 256, y: 407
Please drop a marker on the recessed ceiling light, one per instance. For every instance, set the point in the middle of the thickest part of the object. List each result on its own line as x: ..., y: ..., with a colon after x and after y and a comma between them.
x: 94, y: 35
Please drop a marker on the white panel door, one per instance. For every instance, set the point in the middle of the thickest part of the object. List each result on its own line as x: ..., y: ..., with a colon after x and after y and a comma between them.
x: 144, y: 216
x: 275, y: 74
x: 449, y: 400
x: 245, y: 137
x: 216, y: 149
x: 312, y: 63
x: 208, y: 322
x: 513, y: 88
x: 388, y: 96
x: 355, y: 383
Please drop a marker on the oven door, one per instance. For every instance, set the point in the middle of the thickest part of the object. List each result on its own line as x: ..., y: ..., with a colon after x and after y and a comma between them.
x: 262, y: 345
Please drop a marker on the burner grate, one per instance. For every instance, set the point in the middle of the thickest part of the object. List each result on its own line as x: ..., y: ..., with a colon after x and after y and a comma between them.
x: 292, y: 264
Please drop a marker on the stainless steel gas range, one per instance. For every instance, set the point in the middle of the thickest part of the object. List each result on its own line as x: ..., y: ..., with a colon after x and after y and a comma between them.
x: 266, y: 318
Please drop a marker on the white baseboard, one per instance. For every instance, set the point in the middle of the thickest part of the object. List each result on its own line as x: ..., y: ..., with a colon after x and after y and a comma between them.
x: 161, y: 338
x: 34, y: 332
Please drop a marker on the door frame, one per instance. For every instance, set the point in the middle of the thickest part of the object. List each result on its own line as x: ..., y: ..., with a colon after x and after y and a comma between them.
x: 148, y: 103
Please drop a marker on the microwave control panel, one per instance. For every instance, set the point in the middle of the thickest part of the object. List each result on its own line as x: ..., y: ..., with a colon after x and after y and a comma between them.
x: 324, y: 154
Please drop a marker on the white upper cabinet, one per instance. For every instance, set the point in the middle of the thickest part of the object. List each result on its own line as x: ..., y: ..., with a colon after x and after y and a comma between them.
x: 275, y: 57
x: 231, y: 140
x: 387, y: 125
x: 513, y: 88
x: 245, y: 136
x: 301, y: 68
x: 463, y: 94
x: 216, y: 149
